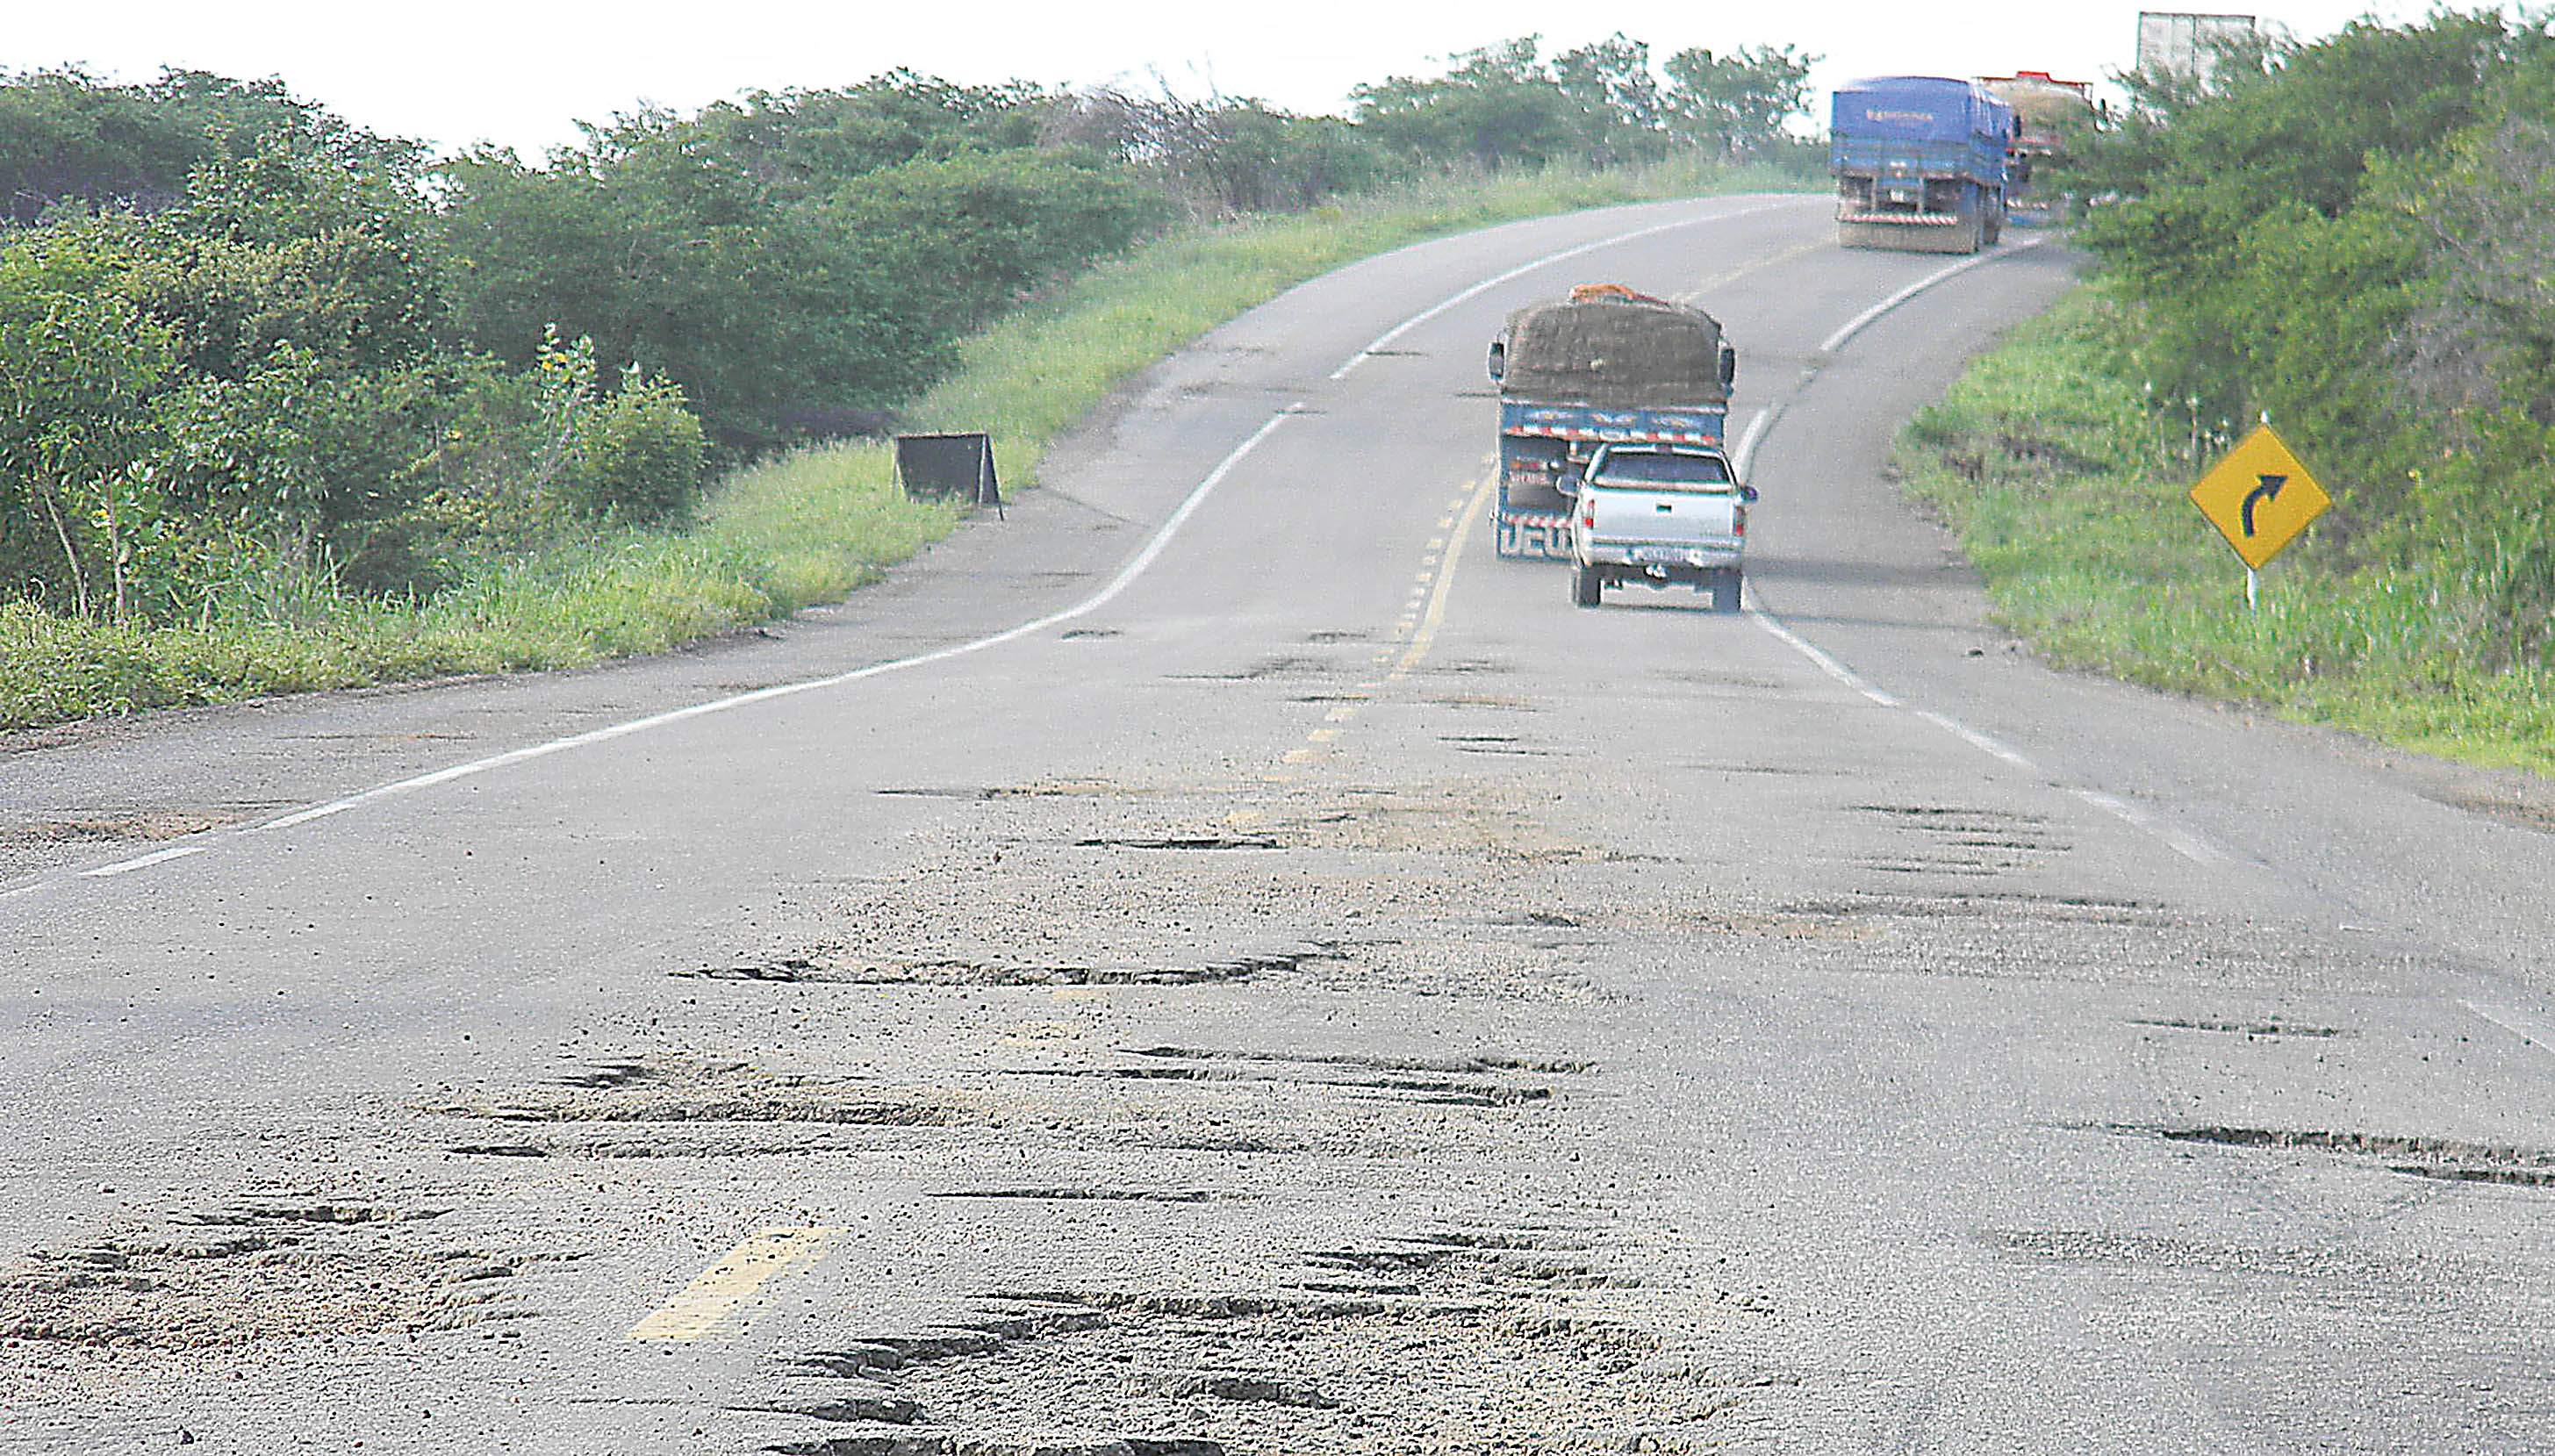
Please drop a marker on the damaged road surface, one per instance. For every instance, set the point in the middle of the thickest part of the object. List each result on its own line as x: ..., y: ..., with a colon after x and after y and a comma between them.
x: 1326, y: 995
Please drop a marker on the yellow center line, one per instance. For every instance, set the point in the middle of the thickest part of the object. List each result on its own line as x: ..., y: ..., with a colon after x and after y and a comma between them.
x: 1342, y: 715
x: 1689, y: 295
x: 1323, y: 735
x: 728, y: 1284
x: 1436, y: 615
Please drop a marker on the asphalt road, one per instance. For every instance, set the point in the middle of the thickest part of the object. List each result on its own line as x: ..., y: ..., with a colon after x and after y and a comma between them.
x: 1219, y: 963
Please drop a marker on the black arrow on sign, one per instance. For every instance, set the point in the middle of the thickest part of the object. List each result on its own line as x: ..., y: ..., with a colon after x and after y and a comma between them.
x: 2269, y: 490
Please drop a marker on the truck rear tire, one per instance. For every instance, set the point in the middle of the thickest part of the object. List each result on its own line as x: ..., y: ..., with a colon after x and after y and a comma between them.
x: 1587, y: 587
x: 1725, y: 589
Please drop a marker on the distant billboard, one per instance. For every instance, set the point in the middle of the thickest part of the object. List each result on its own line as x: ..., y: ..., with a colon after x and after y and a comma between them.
x: 2177, y: 43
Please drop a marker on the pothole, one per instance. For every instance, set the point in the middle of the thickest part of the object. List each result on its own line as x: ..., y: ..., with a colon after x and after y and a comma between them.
x: 731, y: 1092
x: 145, y: 825
x: 842, y: 968
x: 2248, y: 1029
x: 1182, y: 842
x: 1282, y: 665
x: 2444, y: 1158
x: 1062, y: 789
x: 1432, y: 1090
x: 1080, y: 1195
x: 268, y: 1268
x: 1507, y: 1367
x: 1483, y: 1063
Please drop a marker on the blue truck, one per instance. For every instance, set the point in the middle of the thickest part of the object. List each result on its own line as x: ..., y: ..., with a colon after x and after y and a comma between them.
x: 1919, y: 162
x: 1605, y: 366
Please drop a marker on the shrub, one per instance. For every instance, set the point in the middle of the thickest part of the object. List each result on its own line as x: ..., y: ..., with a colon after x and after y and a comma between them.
x: 644, y: 454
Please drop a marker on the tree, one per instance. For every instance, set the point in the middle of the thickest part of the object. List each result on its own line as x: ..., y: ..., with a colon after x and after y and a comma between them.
x: 1623, y: 111
x: 1734, y: 105
x: 79, y: 361
x: 1499, y: 107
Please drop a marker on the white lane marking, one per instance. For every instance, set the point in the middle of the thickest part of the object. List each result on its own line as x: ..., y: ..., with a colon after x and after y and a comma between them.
x: 1865, y: 319
x: 156, y: 857
x: 1825, y: 663
x: 1386, y: 338
x: 1748, y: 437
x: 1980, y: 741
x: 2531, y: 1030
x: 2190, y: 846
x: 2182, y: 842
x: 1126, y: 577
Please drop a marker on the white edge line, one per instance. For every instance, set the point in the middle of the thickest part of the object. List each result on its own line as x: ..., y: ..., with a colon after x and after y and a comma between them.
x: 1747, y: 439
x: 1522, y: 270
x: 156, y: 857
x: 2191, y: 847
x: 1126, y: 577
x: 2526, y: 1028
x: 1865, y: 319
x: 1825, y: 663
x: 1980, y: 741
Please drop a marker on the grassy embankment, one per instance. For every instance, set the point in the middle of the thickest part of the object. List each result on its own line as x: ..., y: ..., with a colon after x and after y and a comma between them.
x: 787, y: 533
x: 2071, y: 499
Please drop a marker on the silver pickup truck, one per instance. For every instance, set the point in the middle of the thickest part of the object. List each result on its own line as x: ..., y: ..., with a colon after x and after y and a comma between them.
x: 1661, y: 515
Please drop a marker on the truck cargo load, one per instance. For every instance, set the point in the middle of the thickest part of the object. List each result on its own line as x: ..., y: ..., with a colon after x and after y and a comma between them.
x: 1606, y: 365
x: 2045, y: 111
x: 1920, y: 164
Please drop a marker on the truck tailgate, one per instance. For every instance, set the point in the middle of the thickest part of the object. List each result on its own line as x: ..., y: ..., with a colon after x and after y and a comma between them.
x: 1616, y: 516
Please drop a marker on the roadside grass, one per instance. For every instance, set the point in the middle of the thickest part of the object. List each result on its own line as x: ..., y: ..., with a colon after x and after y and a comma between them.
x: 2071, y: 501
x: 803, y: 528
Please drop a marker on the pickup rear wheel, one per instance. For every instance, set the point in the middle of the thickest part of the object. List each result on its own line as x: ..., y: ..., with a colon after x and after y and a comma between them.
x: 1725, y: 589
x: 1587, y: 587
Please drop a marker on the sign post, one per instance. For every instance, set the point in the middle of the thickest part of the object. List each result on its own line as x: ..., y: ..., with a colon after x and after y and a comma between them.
x: 2259, y: 498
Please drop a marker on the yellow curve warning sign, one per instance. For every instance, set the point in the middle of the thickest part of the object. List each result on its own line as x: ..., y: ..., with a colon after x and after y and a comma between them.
x: 2259, y: 497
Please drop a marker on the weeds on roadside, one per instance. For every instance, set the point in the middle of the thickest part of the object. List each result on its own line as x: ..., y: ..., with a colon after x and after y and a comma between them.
x: 2071, y: 498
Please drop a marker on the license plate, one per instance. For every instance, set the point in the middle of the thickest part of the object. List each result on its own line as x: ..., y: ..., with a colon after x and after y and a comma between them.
x: 1662, y: 556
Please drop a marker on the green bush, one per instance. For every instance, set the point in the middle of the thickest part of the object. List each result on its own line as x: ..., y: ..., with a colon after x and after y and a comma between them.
x: 643, y: 454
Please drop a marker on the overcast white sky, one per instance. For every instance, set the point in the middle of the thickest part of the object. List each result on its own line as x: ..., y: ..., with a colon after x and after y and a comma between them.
x: 522, y: 73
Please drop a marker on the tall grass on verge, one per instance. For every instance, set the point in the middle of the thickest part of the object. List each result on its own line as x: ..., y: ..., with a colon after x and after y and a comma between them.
x: 2071, y: 498
x: 799, y: 528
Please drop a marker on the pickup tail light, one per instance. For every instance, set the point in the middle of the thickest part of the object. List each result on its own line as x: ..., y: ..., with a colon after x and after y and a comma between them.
x: 1738, y: 521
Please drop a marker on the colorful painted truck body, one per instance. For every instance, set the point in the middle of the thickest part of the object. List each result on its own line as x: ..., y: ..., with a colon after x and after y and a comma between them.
x: 1920, y: 164
x: 1606, y: 366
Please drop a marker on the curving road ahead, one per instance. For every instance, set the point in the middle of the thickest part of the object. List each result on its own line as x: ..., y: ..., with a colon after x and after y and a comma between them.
x: 1218, y: 962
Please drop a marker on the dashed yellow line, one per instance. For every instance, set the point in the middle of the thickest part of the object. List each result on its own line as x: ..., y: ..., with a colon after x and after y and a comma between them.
x: 1704, y: 286
x: 710, y: 1300
x: 1417, y: 629
x: 1426, y: 635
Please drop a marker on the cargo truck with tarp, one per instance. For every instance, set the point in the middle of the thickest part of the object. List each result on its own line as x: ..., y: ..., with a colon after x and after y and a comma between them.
x: 1919, y: 162
x: 2047, y: 114
x: 1603, y: 366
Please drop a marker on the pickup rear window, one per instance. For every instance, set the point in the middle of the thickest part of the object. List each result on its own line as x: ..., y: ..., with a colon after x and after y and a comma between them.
x: 1664, y: 471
